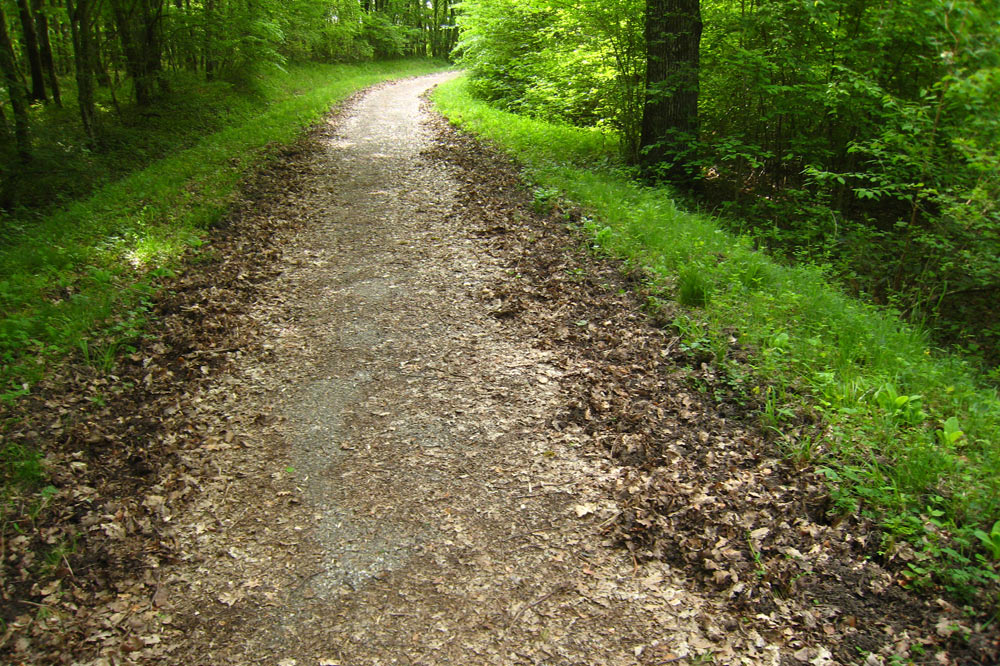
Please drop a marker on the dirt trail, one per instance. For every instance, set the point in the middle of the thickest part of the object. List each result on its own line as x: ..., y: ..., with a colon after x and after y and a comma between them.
x: 413, y: 497
x: 391, y: 415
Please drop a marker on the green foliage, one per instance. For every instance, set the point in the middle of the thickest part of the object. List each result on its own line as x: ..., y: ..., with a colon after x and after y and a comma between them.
x: 77, y: 281
x: 991, y: 540
x: 21, y: 466
x: 906, y: 436
x: 693, y: 287
x: 581, y: 63
x: 862, y: 137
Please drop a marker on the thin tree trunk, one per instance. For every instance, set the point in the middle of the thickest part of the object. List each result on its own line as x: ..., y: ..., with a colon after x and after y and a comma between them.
x: 670, y: 115
x: 45, y: 48
x: 18, y: 95
x: 210, y: 63
x: 31, y: 51
x: 100, y: 64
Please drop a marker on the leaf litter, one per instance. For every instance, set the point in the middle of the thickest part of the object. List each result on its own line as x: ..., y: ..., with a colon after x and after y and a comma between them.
x: 394, y: 416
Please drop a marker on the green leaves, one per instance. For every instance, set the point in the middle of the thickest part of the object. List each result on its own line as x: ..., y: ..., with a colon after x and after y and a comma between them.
x: 904, y: 408
x: 991, y: 540
x: 950, y: 433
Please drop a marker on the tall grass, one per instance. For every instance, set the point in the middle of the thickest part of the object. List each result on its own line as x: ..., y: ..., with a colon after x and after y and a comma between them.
x: 66, y: 277
x: 906, y: 434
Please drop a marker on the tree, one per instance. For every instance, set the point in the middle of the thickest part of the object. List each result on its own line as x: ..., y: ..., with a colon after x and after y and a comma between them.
x: 138, y: 24
x: 670, y: 115
x: 31, y: 51
x: 16, y: 91
x: 81, y: 28
x: 45, y: 49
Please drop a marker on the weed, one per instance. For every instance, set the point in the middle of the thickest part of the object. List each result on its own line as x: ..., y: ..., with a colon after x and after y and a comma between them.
x: 544, y: 200
x: 60, y: 553
x: 693, y: 287
x: 22, y: 465
x: 990, y: 540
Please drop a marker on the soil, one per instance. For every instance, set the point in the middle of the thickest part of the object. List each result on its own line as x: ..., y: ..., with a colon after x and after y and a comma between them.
x: 395, y: 415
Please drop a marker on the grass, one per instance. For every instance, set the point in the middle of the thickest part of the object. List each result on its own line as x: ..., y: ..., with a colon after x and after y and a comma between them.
x: 76, y: 277
x: 905, y: 434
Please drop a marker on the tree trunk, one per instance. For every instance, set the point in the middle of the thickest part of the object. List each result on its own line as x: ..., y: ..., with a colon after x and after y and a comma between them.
x: 18, y: 95
x: 45, y: 48
x: 83, y: 45
x: 670, y: 115
x: 210, y: 62
x: 31, y: 51
x: 138, y: 23
x: 99, y: 63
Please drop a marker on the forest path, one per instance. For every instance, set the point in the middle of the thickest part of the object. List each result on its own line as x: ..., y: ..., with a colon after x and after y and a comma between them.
x: 405, y: 492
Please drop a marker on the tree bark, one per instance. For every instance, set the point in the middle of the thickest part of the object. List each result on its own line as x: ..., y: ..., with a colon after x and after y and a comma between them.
x: 83, y: 46
x: 31, y: 51
x: 138, y: 23
x: 45, y: 49
x: 209, y: 36
x: 670, y: 114
x: 18, y: 95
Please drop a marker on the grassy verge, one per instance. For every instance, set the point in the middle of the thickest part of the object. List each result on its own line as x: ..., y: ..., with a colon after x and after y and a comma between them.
x: 77, y: 280
x: 905, y: 434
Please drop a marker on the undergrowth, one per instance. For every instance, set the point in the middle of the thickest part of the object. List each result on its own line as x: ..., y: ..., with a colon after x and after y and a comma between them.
x: 905, y: 434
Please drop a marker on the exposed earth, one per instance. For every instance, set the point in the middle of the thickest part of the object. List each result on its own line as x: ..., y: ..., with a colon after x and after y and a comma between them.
x: 395, y: 414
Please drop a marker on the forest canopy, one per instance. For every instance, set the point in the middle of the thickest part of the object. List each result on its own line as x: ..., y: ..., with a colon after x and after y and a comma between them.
x: 861, y: 136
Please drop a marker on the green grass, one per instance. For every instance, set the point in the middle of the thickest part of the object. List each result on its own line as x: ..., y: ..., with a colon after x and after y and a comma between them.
x: 906, y: 434
x: 78, y: 278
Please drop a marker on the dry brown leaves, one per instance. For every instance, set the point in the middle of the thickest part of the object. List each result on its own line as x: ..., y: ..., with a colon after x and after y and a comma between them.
x: 700, y: 487
x: 80, y: 574
x: 695, y: 485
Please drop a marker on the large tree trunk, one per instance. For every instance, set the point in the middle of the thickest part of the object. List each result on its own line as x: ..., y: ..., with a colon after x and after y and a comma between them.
x: 18, y: 95
x: 45, y: 48
x: 31, y: 51
x: 670, y: 115
x: 83, y: 48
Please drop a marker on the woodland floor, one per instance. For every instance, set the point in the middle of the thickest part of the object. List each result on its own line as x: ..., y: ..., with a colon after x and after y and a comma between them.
x: 393, y: 416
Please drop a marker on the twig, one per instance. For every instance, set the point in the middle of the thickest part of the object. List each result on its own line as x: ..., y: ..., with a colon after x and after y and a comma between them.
x: 558, y: 588
x: 201, y: 352
x: 33, y: 603
x: 609, y: 520
x: 517, y: 616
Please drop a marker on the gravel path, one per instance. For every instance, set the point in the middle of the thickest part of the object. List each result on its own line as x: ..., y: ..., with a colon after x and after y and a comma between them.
x: 411, y: 497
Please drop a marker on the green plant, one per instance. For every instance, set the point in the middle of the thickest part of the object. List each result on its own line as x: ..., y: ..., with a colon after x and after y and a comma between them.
x: 991, y: 540
x: 22, y: 465
x: 693, y: 287
x: 950, y: 433
x: 903, y: 407
x: 543, y: 200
